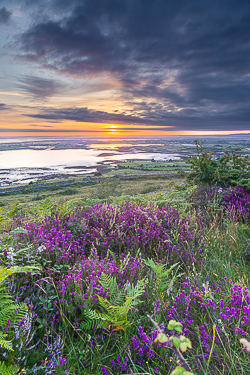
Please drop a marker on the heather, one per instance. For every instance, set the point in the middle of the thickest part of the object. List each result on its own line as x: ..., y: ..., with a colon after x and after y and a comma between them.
x: 110, y: 275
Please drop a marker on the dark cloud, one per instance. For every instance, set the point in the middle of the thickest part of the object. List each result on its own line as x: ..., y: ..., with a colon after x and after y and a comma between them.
x: 183, y: 119
x: 5, y: 16
x: 183, y: 64
x: 40, y: 87
x: 87, y: 115
x: 162, y: 128
x: 2, y: 106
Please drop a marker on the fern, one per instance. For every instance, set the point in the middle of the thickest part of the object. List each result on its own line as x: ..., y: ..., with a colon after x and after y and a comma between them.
x: 9, y: 312
x: 109, y: 283
x: 116, y: 307
x: 162, y: 274
x: 92, y: 319
x: 133, y: 292
x: 6, y: 272
x: 7, y: 370
x: 67, y: 208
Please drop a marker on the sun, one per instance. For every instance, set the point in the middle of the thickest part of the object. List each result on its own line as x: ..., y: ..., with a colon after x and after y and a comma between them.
x: 113, y: 128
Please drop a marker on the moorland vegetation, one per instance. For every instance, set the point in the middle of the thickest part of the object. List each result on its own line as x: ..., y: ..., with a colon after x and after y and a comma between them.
x: 154, y: 283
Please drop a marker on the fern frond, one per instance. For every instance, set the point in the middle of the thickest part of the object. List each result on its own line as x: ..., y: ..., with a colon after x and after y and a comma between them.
x: 118, y: 299
x: 7, y: 369
x: 6, y: 272
x: 12, y: 312
x: 5, y: 343
x: 117, y: 315
x: 93, y: 319
x: 161, y: 273
x: 134, y: 291
x: 109, y: 283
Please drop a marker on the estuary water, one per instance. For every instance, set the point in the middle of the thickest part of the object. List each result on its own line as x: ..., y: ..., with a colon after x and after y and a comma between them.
x: 26, y: 165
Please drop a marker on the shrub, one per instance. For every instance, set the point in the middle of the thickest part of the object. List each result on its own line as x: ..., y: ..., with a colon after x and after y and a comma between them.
x: 227, y: 170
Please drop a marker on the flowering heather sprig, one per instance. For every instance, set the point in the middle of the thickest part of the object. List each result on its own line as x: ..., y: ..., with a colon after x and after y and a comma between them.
x: 236, y: 202
x: 55, y: 242
x: 141, y: 349
x: 157, y: 232
x: 82, y: 281
x: 227, y: 304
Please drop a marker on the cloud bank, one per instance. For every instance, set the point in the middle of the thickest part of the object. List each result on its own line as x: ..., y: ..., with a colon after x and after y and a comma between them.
x: 183, y: 64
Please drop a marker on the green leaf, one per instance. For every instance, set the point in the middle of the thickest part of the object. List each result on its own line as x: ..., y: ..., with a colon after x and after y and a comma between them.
x: 173, y: 325
x: 183, y: 347
x: 186, y: 341
x: 161, y: 338
x: 7, y: 369
x: 178, y: 327
x: 181, y: 371
x: 176, y: 342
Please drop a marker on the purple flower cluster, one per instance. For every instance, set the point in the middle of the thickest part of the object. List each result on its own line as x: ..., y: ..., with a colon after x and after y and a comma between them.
x: 140, y: 351
x: 54, y: 241
x: 82, y: 283
x: 78, y: 250
x: 157, y: 232
x: 222, y: 304
x: 236, y: 202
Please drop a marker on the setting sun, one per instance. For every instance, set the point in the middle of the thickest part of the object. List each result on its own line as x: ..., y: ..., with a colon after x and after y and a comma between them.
x: 112, y: 129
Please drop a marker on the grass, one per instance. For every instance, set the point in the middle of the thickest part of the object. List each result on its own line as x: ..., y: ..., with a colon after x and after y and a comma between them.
x: 103, y: 190
x: 127, y: 344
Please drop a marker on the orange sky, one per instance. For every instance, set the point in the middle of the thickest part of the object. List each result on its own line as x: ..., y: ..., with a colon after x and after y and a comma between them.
x: 122, y: 134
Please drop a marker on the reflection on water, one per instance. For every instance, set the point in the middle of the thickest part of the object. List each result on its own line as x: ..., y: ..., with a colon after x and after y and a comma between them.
x: 113, y: 146
x: 47, y: 158
x: 27, y: 165
x: 72, y: 157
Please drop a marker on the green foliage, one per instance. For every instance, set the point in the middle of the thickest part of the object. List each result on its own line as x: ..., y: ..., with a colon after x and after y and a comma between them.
x: 10, y: 312
x: 7, y: 369
x: 173, y: 325
x: 162, y: 281
x: 181, y: 371
x: 230, y: 169
x: 45, y: 208
x: 177, y: 343
x: 115, y: 309
x: 180, y: 342
x: 7, y: 215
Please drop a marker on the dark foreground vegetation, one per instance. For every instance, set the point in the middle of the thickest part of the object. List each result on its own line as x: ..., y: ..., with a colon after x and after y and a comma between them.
x: 147, y: 284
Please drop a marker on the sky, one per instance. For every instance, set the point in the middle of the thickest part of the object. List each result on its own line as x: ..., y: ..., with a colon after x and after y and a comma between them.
x: 124, y: 67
